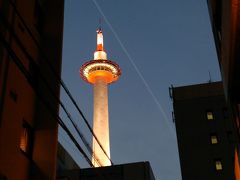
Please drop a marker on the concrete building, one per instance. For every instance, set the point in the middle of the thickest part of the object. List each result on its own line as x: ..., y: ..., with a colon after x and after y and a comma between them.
x: 225, y: 22
x: 138, y: 171
x: 205, y: 132
x: 30, y: 39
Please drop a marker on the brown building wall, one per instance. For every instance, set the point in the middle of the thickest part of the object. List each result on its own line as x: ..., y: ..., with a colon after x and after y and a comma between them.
x: 225, y: 19
x: 23, y: 100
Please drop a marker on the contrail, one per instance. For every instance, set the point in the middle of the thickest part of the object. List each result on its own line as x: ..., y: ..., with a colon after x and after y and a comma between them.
x: 135, y: 67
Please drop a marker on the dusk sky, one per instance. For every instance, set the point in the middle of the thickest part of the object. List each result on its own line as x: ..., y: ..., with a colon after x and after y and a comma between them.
x: 157, y: 43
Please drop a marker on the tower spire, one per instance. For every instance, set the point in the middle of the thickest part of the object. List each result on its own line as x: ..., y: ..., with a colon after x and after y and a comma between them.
x: 99, y: 39
x: 100, y: 53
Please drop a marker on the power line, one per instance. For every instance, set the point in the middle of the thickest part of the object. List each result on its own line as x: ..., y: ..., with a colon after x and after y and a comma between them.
x: 60, y: 80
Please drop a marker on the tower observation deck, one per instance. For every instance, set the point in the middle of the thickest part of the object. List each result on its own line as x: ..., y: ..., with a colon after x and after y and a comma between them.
x: 100, y: 72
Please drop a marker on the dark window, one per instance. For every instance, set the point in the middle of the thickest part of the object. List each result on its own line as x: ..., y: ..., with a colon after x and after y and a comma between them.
x: 26, y: 139
x: 230, y: 136
x: 225, y: 113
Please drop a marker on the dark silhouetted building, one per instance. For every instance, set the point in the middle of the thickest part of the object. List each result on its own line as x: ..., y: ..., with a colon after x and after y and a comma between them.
x: 30, y: 39
x: 65, y: 160
x: 205, y: 132
x: 138, y: 171
x: 225, y: 20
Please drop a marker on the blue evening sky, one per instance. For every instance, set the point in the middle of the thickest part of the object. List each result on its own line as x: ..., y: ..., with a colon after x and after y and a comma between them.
x: 156, y: 43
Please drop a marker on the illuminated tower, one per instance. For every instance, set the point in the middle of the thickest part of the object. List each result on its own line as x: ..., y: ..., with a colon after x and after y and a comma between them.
x: 100, y: 72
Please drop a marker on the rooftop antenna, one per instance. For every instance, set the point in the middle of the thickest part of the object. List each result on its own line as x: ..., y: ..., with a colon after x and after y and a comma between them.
x: 100, y: 24
x: 210, y: 78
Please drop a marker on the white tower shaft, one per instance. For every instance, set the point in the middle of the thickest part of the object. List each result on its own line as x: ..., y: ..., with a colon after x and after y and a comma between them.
x: 101, y: 123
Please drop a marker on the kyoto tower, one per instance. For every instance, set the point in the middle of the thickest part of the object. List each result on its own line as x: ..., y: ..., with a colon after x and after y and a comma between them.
x: 100, y: 72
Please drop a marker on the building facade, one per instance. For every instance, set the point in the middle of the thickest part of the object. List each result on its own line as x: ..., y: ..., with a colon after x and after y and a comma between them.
x: 130, y: 171
x: 30, y: 63
x: 205, y: 132
x: 225, y: 22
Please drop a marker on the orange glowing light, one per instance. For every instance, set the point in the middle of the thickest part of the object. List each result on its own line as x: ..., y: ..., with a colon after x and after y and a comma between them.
x: 237, y: 166
x: 105, y: 69
x: 24, y: 140
x: 108, y: 77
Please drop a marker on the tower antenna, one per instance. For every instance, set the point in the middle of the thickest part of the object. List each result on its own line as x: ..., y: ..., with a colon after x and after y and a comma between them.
x: 100, y: 24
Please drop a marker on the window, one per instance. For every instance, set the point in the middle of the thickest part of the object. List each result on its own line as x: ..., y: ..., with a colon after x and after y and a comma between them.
x: 218, y: 165
x: 210, y: 115
x: 225, y: 113
x: 214, y: 139
x: 230, y: 136
x: 26, y: 139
